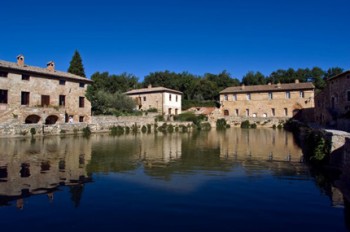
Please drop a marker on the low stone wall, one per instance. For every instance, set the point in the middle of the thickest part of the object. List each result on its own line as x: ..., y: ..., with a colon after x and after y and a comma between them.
x: 100, y: 124
x: 259, y: 121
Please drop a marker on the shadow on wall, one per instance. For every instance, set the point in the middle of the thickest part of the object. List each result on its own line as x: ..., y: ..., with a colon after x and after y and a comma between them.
x: 304, y: 115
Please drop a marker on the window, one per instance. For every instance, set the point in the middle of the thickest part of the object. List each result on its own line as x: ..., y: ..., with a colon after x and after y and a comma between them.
x: 169, y: 111
x: 237, y: 112
x: 62, y: 82
x: 247, y: 112
x: 3, y: 74
x: 288, y: 94
x: 25, y: 98
x: 226, y: 113
x: 3, y: 96
x: 169, y: 97
x: 81, y: 85
x: 45, y: 100
x: 176, y: 112
x: 62, y: 100
x: 235, y: 97
x: 270, y: 95
x: 176, y: 98
x: 348, y: 95
x: 81, y: 102
x: 248, y: 96
x: 25, y: 77
x: 301, y: 94
x: 81, y: 118
x: 225, y: 97
x: 273, y: 113
x: 144, y: 98
x: 285, y: 112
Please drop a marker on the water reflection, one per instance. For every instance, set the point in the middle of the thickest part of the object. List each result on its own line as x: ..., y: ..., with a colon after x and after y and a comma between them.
x: 30, y: 167
x: 169, y: 161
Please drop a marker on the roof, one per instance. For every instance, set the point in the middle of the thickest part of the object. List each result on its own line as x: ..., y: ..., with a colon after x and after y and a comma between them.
x: 269, y: 88
x: 40, y: 71
x: 202, y: 110
x: 152, y: 90
x: 339, y: 75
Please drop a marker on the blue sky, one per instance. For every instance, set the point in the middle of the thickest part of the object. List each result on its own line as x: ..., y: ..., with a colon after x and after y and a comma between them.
x: 197, y: 36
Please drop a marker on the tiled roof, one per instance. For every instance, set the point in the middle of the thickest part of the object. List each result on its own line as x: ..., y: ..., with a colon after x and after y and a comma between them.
x: 202, y: 110
x: 152, y: 90
x: 339, y: 75
x: 40, y: 71
x: 269, y: 88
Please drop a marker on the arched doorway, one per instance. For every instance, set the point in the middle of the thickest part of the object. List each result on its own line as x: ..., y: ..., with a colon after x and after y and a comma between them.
x: 32, y: 119
x: 52, y: 119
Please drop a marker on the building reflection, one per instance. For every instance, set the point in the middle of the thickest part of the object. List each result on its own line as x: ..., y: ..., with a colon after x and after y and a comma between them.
x: 40, y: 166
x: 261, y: 144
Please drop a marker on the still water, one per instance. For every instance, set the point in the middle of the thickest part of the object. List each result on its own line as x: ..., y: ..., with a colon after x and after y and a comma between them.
x: 235, y: 180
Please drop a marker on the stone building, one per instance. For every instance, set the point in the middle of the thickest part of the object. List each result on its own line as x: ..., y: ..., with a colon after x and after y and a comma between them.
x: 269, y: 101
x: 166, y: 101
x: 332, y: 104
x: 31, y: 94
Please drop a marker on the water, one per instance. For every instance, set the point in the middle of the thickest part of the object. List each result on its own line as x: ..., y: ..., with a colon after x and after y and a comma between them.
x: 236, y: 180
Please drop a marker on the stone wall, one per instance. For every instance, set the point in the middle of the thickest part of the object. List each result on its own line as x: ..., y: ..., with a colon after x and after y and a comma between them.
x: 259, y: 104
x: 38, y: 86
x: 100, y: 124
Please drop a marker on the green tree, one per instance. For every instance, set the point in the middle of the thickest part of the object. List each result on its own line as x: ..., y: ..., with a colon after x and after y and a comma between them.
x: 331, y: 72
x: 106, y: 90
x: 316, y: 75
x: 252, y: 78
x: 222, y: 80
x: 76, y: 65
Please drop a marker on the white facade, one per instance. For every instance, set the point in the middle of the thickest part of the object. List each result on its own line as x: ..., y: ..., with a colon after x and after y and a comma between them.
x: 166, y: 101
x: 172, y: 103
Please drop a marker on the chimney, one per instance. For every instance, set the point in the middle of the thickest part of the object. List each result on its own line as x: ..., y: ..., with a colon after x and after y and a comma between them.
x: 296, y: 81
x: 278, y: 85
x: 242, y: 87
x: 149, y: 86
x: 20, y: 60
x: 269, y: 83
x: 51, y: 66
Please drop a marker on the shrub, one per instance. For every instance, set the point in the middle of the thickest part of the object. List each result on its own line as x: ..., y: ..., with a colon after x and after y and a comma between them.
x: 32, y: 131
x: 86, y: 131
x: 318, y: 147
x: 253, y: 126
x: 221, y: 124
x: 143, y: 129
x: 170, y: 128
x: 163, y: 128
x: 134, y: 128
x: 159, y: 118
x: 245, y: 124
x: 205, y: 126
x: 152, y: 110
x: 149, y: 128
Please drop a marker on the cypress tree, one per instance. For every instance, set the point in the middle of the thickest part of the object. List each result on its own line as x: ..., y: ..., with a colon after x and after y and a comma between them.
x: 76, y: 65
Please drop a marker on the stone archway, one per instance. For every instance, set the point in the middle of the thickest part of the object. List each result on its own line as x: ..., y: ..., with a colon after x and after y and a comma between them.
x: 51, y: 119
x: 32, y: 119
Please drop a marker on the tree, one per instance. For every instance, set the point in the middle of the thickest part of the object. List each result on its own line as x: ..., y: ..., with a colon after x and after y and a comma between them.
x: 105, y: 93
x: 331, y: 72
x: 76, y: 65
x: 252, y: 78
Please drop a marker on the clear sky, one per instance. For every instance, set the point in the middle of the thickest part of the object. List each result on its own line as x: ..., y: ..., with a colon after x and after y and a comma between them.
x: 197, y: 36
